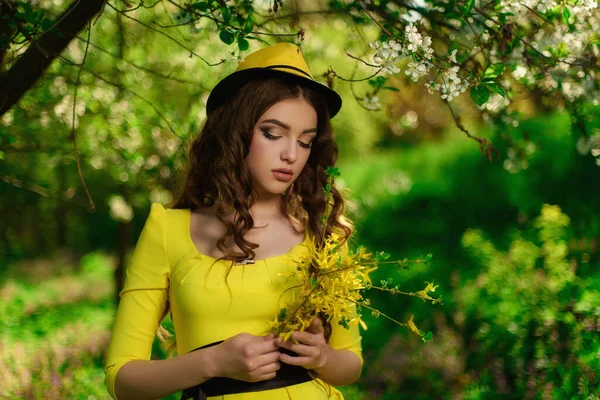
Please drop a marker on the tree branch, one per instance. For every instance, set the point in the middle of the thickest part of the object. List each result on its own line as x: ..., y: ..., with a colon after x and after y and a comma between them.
x: 73, y: 132
x: 192, y: 52
x: 32, y: 64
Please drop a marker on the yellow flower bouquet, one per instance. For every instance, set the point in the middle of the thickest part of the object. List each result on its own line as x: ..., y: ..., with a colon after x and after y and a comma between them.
x: 331, y: 279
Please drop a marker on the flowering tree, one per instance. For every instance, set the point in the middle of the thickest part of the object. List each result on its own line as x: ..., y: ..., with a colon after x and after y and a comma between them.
x: 494, y: 49
x: 513, y: 58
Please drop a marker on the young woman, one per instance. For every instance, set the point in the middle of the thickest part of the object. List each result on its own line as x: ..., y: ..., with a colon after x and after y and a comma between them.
x: 252, y: 198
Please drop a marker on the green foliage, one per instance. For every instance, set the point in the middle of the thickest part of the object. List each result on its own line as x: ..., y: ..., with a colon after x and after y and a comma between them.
x: 532, y: 313
x: 54, y: 328
x: 135, y: 121
x: 480, y: 94
x: 414, y: 201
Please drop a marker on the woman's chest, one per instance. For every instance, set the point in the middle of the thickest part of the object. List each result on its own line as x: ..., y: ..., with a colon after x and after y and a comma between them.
x: 273, y: 237
x: 208, y: 289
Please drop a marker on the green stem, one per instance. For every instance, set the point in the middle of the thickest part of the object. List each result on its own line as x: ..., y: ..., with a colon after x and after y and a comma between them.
x: 377, y: 311
x: 278, y: 331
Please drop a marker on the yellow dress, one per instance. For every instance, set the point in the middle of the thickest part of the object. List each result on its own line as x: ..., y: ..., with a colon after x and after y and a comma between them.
x: 166, y: 264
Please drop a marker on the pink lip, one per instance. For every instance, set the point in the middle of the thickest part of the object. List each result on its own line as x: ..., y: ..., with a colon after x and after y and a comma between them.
x: 284, y: 170
x: 282, y: 176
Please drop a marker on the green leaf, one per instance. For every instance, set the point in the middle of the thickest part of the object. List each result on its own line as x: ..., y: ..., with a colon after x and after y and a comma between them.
x: 332, y: 172
x: 226, y: 37
x: 313, y: 282
x: 282, y: 314
x: 226, y: 14
x: 480, y: 94
x: 243, y: 44
x: 344, y: 322
x: 452, y: 15
x: 378, y: 82
x: 239, y: 20
x: 503, y: 16
x: 566, y: 14
x: 495, y: 86
x: 249, y: 24
x: 201, y: 5
x: 494, y: 71
x: 468, y: 7
x: 394, y: 89
x: 428, y: 337
x: 46, y: 24
x: 26, y: 6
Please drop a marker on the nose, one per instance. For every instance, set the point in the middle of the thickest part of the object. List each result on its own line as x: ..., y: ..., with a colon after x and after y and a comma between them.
x: 290, y: 152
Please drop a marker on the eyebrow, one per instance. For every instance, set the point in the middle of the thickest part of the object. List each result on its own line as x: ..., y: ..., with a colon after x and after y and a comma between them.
x: 286, y: 126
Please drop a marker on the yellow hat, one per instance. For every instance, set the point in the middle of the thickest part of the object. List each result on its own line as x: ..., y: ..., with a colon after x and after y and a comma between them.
x: 282, y: 60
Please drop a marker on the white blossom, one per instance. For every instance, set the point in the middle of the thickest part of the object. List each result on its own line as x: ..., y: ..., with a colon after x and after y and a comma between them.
x: 371, y: 102
x: 520, y: 72
x: 431, y: 86
x: 386, y: 55
x: 495, y: 104
x: 414, y: 38
x: 416, y: 70
x: 452, y: 57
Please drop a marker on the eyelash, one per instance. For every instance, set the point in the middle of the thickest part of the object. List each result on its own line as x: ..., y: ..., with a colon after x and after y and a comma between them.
x: 268, y: 135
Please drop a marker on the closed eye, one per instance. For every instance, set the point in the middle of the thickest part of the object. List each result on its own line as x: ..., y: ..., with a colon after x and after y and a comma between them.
x: 268, y: 135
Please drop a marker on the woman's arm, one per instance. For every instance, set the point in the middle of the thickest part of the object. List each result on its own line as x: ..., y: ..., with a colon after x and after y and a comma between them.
x: 143, y: 379
x: 340, y: 367
x: 244, y: 357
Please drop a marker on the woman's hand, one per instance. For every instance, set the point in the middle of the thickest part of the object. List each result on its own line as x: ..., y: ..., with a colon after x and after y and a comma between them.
x: 247, y: 357
x: 312, y: 349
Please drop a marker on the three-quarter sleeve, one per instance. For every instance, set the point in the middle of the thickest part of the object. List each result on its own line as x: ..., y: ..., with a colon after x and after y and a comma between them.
x: 142, y: 300
x: 348, y: 339
x: 342, y: 338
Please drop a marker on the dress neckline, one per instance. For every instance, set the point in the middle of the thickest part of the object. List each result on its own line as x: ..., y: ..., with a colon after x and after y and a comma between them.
x: 264, y: 260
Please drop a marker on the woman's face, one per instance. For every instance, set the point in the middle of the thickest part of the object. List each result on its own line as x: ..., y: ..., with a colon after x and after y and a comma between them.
x: 280, y: 145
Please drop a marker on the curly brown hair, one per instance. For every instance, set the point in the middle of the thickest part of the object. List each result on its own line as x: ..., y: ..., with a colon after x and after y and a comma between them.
x: 217, y: 173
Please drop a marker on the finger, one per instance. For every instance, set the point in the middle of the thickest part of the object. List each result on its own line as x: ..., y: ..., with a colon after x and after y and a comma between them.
x: 300, y: 349
x: 301, y: 361
x: 266, y: 377
x: 267, y: 371
x: 305, y: 337
x: 316, y: 326
x: 269, y: 368
x: 265, y: 347
x: 268, y: 358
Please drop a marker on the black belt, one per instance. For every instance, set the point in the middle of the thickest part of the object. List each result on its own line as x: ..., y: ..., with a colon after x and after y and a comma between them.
x: 287, y: 375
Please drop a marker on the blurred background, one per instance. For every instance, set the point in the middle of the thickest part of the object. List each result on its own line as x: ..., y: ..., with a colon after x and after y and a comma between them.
x: 514, y: 240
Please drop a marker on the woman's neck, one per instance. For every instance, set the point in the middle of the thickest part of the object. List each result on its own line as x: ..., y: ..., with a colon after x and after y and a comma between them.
x: 262, y: 210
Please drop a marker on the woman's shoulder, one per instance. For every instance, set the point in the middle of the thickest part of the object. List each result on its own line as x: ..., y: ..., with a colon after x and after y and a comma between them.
x: 166, y: 211
x: 175, y: 225
x: 168, y: 216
